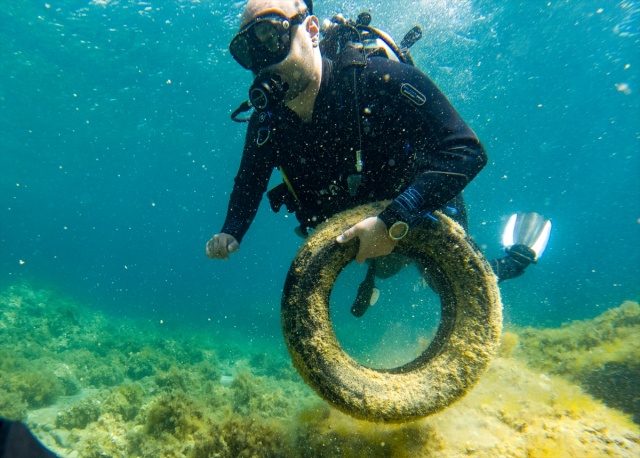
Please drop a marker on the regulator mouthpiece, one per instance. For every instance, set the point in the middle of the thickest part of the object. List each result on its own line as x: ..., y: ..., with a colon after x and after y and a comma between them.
x: 267, y: 91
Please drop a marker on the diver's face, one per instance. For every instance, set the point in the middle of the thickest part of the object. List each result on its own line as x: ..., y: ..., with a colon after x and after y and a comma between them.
x: 296, y: 68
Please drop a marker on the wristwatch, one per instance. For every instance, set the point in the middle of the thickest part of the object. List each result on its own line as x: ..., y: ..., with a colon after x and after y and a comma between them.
x: 398, y: 230
x: 396, y: 226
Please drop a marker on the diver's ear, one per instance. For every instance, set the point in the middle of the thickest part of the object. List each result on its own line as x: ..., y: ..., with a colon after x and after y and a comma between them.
x: 313, y: 27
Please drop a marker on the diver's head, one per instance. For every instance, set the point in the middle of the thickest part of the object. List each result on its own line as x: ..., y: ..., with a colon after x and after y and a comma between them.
x: 289, y: 8
x: 266, y: 32
x: 279, y: 37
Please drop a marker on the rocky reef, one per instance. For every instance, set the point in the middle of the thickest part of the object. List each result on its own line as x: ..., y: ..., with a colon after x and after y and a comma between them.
x: 601, y: 355
x: 92, y: 385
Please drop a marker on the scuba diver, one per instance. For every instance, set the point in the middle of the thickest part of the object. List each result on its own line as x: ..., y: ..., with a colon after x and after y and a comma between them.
x: 349, y: 120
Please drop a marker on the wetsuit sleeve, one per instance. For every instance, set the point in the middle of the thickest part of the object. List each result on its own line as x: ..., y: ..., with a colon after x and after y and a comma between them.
x: 250, y: 184
x: 450, y: 154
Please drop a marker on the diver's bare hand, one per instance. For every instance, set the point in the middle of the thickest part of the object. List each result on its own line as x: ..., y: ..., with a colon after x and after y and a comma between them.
x: 221, y: 246
x: 374, y: 238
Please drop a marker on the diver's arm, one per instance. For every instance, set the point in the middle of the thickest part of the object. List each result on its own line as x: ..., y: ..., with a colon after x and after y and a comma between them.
x: 433, y: 188
x: 250, y: 184
x: 453, y: 157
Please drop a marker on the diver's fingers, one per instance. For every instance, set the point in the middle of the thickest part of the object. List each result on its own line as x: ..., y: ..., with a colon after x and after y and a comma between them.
x: 212, y: 247
x: 215, y: 249
x: 347, y: 235
x: 233, y: 246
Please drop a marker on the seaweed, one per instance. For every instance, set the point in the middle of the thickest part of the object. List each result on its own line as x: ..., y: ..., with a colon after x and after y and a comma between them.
x: 618, y: 385
x: 327, y: 433
x: 245, y: 387
x: 12, y: 406
x: 38, y: 388
x: 143, y: 392
x: 81, y: 414
x: 241, y: 436
x: 102, y: 375
x: 509, y: 341
x: 207, y: 370
x: 125, y: 401
x: 175, y: 379
x: 602, y: 355
x: 174, y: 414
x: 142, y: 364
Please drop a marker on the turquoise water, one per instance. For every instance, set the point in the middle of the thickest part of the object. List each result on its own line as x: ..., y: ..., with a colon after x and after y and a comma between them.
x: 118, y: 154
x: 117, y: 157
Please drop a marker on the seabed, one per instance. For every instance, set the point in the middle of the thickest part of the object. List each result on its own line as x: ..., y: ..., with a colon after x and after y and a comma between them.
x: 89, y: 385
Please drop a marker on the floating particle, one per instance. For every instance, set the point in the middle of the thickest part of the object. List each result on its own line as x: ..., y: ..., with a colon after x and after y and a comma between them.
x: 624, y: 88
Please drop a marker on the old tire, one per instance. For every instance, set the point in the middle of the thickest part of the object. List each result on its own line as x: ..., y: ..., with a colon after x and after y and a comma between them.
x: 454, y: 361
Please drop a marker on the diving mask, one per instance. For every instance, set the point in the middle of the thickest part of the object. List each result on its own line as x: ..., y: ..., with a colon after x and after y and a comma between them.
x: 265, y: 41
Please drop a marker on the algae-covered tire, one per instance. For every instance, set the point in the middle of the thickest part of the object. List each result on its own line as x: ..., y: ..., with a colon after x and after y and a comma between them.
x: 466, y: 339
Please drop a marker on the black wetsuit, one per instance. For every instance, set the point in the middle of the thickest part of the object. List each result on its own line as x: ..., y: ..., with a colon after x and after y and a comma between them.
x: 415, y: 148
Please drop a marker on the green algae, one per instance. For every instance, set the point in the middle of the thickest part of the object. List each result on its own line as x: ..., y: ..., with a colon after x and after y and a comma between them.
x: 173, y: 414
x: 239, y: 436
x: 81, y: 414
x: 327, y: 433
x: 602, y: 355
x: 37, y: 387
x: 125, y: 401
x: 124, y: 388
x: 13, y: 406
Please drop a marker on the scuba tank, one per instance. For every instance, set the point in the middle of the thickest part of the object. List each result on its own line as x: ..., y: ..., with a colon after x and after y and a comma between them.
x: 339, y: 32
